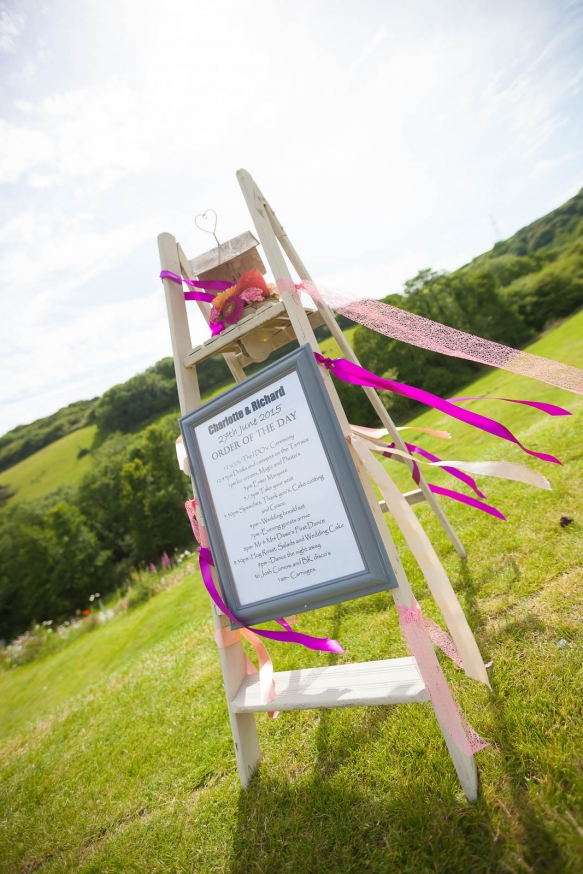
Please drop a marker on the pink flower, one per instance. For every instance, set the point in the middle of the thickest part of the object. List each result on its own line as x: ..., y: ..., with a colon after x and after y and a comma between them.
x: 232, y: 310
x: 152, y: 567
x: 165, y: 560
x: 252, y: 294
x: 215, y: 315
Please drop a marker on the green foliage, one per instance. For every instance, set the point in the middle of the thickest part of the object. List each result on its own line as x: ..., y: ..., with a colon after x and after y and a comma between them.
x: 25, y: 440
x: 133, y: 497
x: 127, y: 405
x: 153, y: 492
x: 127, y: 510
x: 116, y: 753
x: 50, y: 562
x: 559, y: 227
x: 469, y: 301
x: 553, y: 292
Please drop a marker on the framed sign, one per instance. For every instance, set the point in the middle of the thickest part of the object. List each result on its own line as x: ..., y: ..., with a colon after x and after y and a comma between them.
x: 289, y: 525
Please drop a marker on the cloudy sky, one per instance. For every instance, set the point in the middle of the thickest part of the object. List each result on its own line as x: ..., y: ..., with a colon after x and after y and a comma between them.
x: 388, y: 136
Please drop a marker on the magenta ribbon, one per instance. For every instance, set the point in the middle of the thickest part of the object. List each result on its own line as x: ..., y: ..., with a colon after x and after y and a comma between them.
x: 356, y: 375
x: 322, y: 644
x: 453, y: 471
x: 549, y: 409
x: 208, y: 284
x: 465, y: 499
x: 450, y: 493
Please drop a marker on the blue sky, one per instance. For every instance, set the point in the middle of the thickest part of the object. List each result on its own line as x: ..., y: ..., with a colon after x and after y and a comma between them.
x: 388, y: 136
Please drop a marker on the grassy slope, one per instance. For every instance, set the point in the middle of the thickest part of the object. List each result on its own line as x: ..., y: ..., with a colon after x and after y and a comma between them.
x: 116, y: 753
x: 55, y: 465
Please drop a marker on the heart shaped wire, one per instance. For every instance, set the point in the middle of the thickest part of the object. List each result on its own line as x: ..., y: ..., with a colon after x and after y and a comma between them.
x: 203, y: 216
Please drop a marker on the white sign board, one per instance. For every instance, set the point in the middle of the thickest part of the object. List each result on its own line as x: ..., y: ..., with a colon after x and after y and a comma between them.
x: 289, y: 525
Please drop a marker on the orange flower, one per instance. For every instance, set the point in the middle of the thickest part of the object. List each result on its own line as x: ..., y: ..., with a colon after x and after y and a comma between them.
x: 252, y: 279
x: 223, y: 296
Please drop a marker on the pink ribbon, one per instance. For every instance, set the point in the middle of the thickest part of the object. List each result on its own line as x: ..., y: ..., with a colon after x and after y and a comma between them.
x: 208, y: 284
x: 466, y: 499
x: 453, y: 471
x: 322, y: 644
x: 452, y: 717
x: 549, y: 409
x: 450, y: 493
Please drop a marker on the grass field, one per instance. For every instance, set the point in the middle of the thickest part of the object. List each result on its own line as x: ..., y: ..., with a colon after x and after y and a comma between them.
x: 116, y: 756
x: 55, y: 465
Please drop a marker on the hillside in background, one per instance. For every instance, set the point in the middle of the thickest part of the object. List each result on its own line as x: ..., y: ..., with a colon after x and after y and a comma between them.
x: 541, y: 263
x: 104, y: 494
x: 25, y: 440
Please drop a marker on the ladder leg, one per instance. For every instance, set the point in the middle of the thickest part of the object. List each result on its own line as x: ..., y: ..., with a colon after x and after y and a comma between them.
x: 371, y: 394
x: 243, y: 728
x: 465, y: 765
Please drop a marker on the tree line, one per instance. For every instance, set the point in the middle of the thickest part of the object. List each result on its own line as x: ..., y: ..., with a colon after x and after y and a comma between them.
x: 129, y: 507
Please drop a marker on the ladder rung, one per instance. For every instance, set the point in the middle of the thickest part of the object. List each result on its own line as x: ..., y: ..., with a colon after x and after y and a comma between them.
x: 391, y: 681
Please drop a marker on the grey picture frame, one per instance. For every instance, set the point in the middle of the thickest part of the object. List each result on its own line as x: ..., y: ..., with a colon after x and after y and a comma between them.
x: 378, y: 574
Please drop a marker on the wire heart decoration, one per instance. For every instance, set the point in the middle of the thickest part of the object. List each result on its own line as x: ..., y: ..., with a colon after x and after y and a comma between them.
x: 204, y: 216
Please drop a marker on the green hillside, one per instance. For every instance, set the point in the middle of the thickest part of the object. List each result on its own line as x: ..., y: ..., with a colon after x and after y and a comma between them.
x: 122, y: 505
x: 116, y: 753
x: 25, y: 440
x: 56, y: 465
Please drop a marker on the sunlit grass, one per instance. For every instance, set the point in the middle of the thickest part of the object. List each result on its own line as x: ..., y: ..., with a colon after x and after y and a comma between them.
x: 55, y: 465
x: 116, y: 753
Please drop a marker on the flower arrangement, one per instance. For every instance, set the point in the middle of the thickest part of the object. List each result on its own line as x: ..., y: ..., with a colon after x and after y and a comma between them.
x: 228, y: 305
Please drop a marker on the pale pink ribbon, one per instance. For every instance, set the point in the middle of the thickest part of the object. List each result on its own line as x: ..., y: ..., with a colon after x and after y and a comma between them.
x: 416, y: 330
x: 450, y: 713
x: 227, y: 637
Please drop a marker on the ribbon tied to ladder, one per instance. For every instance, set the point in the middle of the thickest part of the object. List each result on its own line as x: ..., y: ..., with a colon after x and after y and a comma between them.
x: 399, y: 324
x: 321, y: 644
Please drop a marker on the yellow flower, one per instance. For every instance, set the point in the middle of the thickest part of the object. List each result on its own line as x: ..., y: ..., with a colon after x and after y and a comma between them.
x: 223, y: 296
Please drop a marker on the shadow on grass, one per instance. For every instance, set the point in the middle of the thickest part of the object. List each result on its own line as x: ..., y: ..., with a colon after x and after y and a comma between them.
x: 327, y: 822
x: 399, y: 818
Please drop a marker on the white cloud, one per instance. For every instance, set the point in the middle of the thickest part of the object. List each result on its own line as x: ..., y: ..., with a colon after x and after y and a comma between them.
x: 95, y: 348
x: 11, y: 26
x: 370, y: 47
x: 132, y: 125
x: 85, y: 135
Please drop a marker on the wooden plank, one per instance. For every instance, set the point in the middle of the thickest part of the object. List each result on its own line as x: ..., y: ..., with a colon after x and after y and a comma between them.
x: 465, y: 765
x: 220, y: 255
x: 391, y: 681
x: 186, y: 380
x: 226, y: 338
x: 348, y: 351
x: 415, y: 497
x: 245, y: 738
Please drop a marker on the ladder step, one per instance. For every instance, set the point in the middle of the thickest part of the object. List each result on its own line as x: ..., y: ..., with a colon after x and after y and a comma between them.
x: 391, y: 681
x: 416, y: 497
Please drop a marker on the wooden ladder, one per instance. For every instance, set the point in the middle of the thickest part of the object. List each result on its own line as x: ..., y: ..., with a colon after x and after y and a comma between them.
x: 389, y: 681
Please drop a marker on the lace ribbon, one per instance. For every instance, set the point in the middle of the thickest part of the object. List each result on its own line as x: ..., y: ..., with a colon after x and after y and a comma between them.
x: 416, y: 330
